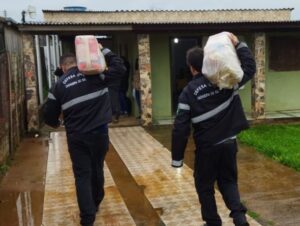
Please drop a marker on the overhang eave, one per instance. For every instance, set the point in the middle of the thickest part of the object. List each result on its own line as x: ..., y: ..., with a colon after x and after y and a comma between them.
x: 78, y: 29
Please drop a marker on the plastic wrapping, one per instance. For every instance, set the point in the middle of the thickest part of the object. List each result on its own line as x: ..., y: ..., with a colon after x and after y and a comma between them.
x: 221, y: 64
x: 90, y: 59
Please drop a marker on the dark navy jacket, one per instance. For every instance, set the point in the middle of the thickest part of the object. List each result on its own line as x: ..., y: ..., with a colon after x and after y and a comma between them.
x: 84, y: 100
x: 216, y: 115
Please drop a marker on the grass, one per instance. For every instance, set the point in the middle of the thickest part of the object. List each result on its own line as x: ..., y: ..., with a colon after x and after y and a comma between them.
x: 280, y: 142
x: 257, y: 217
x: 253, y: 214
x: 3, y: 169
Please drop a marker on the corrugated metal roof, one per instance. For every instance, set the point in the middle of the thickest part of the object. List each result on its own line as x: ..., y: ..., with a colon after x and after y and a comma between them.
x: 79, y: 28
x: 126, y: 23
x: 192, y: 10
x: 7, y: 20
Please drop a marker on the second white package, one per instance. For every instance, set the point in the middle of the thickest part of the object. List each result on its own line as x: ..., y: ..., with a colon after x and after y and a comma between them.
x: 221, y: 64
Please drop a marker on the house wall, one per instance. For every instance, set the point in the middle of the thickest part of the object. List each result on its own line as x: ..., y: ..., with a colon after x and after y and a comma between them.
x: 31, y: 83
x: 282, y: 91
x: 245, y: 92
x: 4, y: 107
x: 143, y: 41
x: 282, y: 88
x: 13, y: 44
x: 12, y: 91
x: 161, y: 77
x: 245, y: 95
x: 157, y: 16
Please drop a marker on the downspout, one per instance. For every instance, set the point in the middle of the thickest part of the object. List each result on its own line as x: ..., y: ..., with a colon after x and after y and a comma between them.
x: 39, y: 68
x: 48, y: 62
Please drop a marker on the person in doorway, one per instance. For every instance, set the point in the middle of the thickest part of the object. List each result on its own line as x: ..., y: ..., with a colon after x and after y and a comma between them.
x: 114, y: 89
x: 216, y: 120
x: 137, y: 87
x: 85, y: 103
x: 58, y: 72
x: 124, y: 103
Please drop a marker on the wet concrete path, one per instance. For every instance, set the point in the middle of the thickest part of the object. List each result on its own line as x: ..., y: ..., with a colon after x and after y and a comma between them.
x: 22, y: 188
x: 268, y: 188
x: 60, y: 206
x: 168, y: 189
x: 138, y: 205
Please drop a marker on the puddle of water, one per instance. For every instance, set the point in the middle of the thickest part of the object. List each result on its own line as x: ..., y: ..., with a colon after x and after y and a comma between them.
x: 133, y: 195
x: 24, y: 209
x: 20, y: 209
x: 22, y: 189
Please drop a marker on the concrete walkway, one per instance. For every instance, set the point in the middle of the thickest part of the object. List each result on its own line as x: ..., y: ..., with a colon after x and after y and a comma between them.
x: 60, y: 206
x: 268, y: 188
x: 271, y: 191
x: 170, y: 191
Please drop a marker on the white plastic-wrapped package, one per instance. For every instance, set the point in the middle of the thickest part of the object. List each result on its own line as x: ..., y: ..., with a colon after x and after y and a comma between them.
x: 221, y: 65
x: 90, y: 59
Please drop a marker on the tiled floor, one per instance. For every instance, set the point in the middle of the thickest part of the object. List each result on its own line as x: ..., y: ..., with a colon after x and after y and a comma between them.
x: 126, y: 121
x: 269, y: 189
x: 60, y: 206
x: 169, y: 190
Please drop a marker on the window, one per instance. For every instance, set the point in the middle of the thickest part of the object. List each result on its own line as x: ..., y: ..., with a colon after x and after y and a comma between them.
x: 284, y: 53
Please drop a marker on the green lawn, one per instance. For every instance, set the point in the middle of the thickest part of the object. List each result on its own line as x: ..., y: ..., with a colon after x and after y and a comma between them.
x: 280, y: 142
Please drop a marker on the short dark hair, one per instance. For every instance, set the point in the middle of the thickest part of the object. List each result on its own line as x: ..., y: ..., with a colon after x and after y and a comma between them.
x: 194, y: 58
x: 67, y: 59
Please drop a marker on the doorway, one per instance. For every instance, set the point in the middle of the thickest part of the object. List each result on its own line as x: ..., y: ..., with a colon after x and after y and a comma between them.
x: 180, y: 73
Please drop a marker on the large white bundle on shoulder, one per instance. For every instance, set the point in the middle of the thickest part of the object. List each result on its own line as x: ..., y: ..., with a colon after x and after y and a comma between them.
x: 90, y: 59
x: 221, y: 65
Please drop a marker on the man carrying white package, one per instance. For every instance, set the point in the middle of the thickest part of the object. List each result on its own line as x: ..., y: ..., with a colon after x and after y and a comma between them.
x: 85, y: 104
x: 217, y: 117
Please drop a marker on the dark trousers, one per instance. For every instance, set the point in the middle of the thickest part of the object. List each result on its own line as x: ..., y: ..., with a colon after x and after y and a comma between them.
x: 218, y: 163
x: 123, y: 102
x: 137, y: 95
x: 115, y: 102
x: 87, y: 152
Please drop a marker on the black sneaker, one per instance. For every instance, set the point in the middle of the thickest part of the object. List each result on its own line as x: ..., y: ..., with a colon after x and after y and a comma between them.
x: 205, y: 224
x: 115, y: 120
